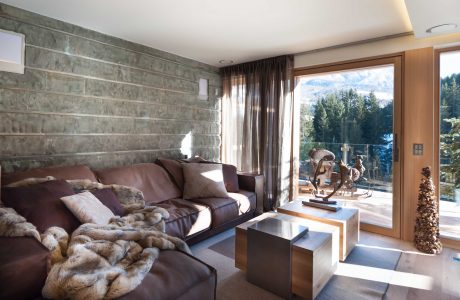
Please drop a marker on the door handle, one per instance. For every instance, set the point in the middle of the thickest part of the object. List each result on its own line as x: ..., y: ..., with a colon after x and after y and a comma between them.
x: 395, y: 148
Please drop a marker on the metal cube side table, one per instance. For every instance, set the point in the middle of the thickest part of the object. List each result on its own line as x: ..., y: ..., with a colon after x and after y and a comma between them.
x: 269, y: 254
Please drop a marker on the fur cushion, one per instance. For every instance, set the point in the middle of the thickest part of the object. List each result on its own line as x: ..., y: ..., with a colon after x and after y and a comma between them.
x: 88, y: 209
x: 203, y: 181
x: 30, y: 181
x: 12, y: 224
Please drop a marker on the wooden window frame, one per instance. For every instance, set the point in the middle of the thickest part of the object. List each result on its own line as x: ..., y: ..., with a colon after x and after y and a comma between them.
x: 447, y: 241
x: 396, y: 59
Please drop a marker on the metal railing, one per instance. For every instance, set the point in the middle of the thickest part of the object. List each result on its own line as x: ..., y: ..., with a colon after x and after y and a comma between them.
x: 377, y: 159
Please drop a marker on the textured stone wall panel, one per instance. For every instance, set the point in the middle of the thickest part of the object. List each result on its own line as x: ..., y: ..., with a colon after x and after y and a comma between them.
x: 89, y: 98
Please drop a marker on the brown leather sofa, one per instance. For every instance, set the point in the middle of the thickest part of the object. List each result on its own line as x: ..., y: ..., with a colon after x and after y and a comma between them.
x: 175, y: 275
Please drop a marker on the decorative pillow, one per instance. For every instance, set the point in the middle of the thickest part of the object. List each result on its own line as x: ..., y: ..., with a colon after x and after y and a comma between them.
x: 108, y: 198
x: 203, y: 181
x: 230, y: 176
x: 127, y: 195
x: 174, y: 168
x: 230, y: 172
x: 194, y: 159
x: 83, y: 185
x: 88, y: 209
x: 40, y: 204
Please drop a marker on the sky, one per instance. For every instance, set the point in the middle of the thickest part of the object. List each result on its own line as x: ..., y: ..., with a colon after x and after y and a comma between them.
x: 376, y: 79
x: 450, y: 63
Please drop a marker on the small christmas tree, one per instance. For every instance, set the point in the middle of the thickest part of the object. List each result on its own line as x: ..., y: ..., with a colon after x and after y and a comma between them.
x: 427, y: 222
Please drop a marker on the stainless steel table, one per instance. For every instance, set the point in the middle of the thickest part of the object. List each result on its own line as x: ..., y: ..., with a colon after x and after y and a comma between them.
x: 269, y: 254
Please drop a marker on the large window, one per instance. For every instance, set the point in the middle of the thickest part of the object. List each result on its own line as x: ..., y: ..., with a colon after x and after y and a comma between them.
x: 353, y: 113
x: 449, y: 83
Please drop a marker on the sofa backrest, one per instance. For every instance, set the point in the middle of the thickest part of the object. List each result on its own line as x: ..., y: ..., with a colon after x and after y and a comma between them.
x: 68, y: 173
x: 150, y: 178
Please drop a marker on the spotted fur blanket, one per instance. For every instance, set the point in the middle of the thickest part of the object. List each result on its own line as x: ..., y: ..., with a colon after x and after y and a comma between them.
x: 100, y: 261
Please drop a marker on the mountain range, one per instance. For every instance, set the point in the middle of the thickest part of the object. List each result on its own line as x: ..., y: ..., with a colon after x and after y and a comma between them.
x: 378, y: 80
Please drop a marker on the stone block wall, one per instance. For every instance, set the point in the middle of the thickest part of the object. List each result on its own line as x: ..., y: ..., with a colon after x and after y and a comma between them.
x: 89, y: 98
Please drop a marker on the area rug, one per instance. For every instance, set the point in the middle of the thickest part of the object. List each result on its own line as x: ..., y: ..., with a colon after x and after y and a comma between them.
x: 341, y: 286
x: 362, y: 259
x: 225, y: 247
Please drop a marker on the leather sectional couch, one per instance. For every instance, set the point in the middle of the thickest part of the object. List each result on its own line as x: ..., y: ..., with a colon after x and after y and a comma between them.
x: 174, y: 275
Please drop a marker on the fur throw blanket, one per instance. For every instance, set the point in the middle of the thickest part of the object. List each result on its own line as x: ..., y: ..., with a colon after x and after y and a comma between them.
x: 100, y: 261
x: 12, y: 224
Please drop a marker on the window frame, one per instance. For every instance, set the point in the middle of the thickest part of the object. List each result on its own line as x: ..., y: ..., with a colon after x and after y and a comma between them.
x: 447, y: 241
x: 397, y: 60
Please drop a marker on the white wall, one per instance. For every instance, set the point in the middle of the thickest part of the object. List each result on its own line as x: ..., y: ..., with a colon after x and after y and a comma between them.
x: 375, y: 48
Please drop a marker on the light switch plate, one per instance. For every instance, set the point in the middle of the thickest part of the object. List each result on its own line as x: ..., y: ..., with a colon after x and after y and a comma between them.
x: 417, y: 149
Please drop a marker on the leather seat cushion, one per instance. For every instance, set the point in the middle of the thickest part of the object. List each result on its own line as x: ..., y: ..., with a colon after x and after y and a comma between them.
x: 246, y: 201
x: 175, y: 275
x: 223, y: 210
x: 23, y: 267
x: 150, y: 178
x: 185, y: 218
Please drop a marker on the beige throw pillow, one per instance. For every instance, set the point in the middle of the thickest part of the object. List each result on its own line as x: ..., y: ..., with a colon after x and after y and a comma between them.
x: 88, y: 209
x: 203, y: 181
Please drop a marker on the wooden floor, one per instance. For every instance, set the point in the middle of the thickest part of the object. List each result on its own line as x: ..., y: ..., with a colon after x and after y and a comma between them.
x: 432, y: 277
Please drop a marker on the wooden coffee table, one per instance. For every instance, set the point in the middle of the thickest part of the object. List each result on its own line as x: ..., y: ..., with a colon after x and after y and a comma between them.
x: 347, y: 219
x: 314, y: 256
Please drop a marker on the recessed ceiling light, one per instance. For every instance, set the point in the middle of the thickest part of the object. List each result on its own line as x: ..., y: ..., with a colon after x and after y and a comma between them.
x: 225, y: 62
x: 441, y: 28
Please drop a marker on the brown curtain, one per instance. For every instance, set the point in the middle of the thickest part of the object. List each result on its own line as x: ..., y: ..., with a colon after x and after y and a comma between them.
x: 256, y: 122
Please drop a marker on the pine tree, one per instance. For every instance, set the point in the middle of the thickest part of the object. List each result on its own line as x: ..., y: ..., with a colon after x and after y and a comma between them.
x: 320, y: 123
x: 427, y: 222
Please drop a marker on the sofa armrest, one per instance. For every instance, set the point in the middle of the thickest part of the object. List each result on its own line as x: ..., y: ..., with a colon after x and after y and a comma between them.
x: 23, y: 267
x: 253, y: 183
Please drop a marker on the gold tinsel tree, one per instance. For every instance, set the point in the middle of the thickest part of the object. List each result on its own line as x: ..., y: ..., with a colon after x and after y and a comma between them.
x: 427, y: 222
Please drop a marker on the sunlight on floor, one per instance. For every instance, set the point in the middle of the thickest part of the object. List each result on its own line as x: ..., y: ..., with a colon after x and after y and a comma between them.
x: 394, y: 249
x: 387, y: 276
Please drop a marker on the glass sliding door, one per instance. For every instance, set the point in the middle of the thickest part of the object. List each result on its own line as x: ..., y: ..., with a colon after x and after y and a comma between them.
x: 449, y: 143
x: 353, y: 111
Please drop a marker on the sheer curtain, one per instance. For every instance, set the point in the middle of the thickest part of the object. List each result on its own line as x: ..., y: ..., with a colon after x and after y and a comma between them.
x: 257, y: 122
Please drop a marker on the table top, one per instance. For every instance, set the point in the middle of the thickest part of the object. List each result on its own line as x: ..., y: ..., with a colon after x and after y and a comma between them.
x: 305, y: 242
x: 296, y: 206
x: 279, y: 228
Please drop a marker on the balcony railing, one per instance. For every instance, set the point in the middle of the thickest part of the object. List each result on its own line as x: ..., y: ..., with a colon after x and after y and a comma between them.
x: 377, y: 159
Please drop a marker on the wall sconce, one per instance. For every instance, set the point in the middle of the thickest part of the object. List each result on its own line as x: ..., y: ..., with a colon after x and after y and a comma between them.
x: 12, y: 51
x: 203, y: 89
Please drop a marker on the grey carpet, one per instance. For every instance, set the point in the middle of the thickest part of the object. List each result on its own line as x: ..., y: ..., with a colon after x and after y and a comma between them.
x: 343, y: 287
x: 339, y: 287
x: 225, y: 247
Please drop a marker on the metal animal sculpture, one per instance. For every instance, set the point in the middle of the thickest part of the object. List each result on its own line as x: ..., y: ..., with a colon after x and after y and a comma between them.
x: 359, y: 165
x: 344, y: 176
x: 322, y: 162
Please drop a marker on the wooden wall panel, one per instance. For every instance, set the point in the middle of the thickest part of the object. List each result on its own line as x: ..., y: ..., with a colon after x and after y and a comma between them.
x: 418, y: 127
